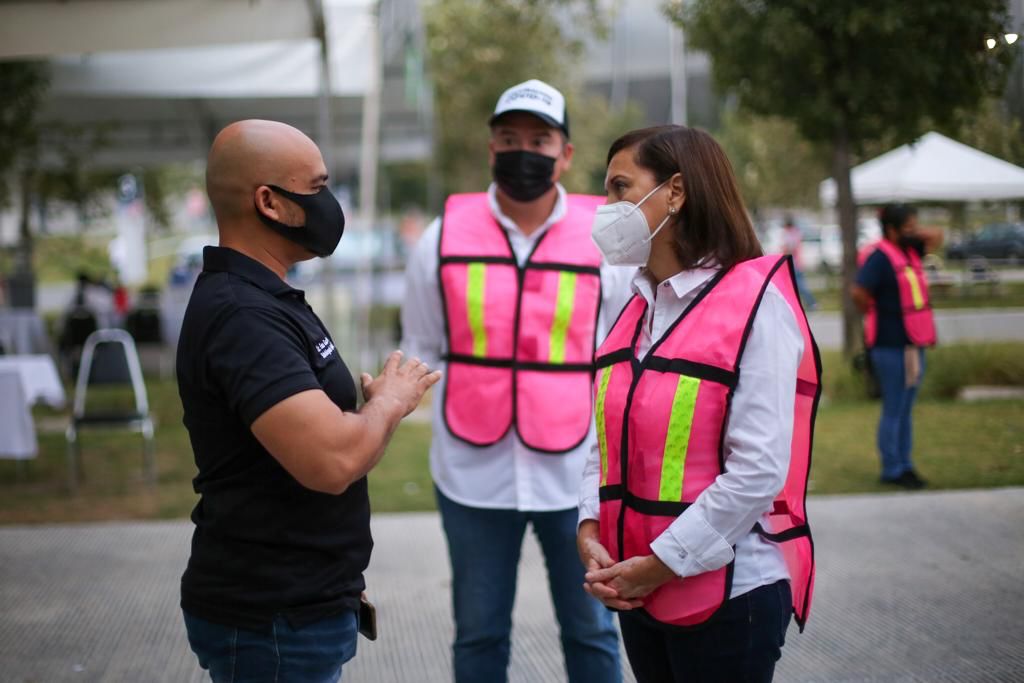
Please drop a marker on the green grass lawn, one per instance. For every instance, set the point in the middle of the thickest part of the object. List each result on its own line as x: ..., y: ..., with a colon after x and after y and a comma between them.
x: 1005, y: 295
x: 958, y: 445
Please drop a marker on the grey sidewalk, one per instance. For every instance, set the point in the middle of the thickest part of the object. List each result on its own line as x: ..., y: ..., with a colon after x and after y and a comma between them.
x: 922, y: 587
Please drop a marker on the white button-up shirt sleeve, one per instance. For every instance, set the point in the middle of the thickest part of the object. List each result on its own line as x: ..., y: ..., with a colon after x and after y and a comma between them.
x: 422, y: 314
x: 757, y: 443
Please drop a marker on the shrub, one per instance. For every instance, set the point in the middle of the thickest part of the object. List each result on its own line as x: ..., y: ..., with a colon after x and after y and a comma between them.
x: 948, y: 369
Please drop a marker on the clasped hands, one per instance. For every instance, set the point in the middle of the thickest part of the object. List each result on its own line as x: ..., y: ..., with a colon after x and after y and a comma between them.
x: 618, y: 585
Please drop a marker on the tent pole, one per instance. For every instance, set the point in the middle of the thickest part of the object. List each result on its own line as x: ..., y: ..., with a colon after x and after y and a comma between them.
x: 368, y: 164
x: 324, y: 130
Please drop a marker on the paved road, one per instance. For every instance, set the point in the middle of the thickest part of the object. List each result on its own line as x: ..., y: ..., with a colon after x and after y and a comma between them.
x: 911, y: 587
x: 956, y: 325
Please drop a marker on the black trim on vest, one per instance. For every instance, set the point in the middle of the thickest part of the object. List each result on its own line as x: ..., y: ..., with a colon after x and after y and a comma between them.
x: 511, y: 260
x: 757, y: 305
x: 500, y: 260
x: 567, y: 267
x: 646, y: 506
x: 802, y: 623
x: 521, y: 273
x: 690, y: 368
x: 693, y: 304
x: 783, y: 536
x: 448, y: 337
x: 634, y: 368
x: 733, y: 377
x: 518, y: 365
x: 623, y: 355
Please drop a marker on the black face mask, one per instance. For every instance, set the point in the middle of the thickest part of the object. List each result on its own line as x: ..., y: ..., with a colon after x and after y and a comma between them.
x: 908, y: 241
x: 325, y: 221
x: 522, y: 175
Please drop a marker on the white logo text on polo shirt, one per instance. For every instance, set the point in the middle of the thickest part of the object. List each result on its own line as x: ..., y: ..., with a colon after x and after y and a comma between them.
x: 325, y: 347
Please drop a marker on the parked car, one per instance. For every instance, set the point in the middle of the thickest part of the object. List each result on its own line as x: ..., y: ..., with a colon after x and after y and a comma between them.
x: 993, y: 241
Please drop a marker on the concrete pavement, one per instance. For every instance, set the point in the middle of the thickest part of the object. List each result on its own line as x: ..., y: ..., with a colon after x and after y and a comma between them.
x: 911, y: 587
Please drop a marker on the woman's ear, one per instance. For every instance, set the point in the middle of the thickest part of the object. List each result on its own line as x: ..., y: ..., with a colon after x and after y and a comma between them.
x: 676, y: 193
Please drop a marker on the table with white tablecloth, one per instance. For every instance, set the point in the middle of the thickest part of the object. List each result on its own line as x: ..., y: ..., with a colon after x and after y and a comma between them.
x: 39, y: 378
x: 25, y: 381
x: 22, y: 331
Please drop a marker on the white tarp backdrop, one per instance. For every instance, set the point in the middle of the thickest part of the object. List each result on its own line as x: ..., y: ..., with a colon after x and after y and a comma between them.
x: 935, y: 168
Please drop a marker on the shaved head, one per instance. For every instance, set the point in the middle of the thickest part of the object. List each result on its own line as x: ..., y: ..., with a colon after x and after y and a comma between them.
x: 249, y: 154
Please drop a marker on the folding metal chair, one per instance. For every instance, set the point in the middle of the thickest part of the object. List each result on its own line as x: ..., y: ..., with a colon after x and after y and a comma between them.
x: 109, y: 358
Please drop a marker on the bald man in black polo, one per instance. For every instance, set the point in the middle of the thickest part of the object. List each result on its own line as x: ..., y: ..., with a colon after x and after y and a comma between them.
x: 282, y: 535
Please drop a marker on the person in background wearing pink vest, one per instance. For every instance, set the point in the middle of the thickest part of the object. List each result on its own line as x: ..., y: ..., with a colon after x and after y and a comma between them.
x: 792, y: 243
x: 508, y: 291
x: 692, y: 509
x: 892, y: 291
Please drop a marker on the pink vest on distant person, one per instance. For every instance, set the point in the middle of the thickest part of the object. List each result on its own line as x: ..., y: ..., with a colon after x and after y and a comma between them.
x: 912, y: 283
x: 520, y: 339
x: 661, y: 428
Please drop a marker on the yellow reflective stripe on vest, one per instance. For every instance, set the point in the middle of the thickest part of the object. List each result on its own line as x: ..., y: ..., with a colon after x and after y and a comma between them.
x: 915, y: 288
x: 678, y: 438
x: 604, y: 375
x: 475, y: 286
x: 563, y: 315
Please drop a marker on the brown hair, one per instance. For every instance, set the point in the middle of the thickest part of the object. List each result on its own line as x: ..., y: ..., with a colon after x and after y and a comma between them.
x: 713, y: 224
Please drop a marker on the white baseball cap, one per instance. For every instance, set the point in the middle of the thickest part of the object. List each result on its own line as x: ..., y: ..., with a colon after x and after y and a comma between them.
x: 537, y: 98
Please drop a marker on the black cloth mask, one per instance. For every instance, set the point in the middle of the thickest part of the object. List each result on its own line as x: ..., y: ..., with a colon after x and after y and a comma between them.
x: 523, y: 175
x: 325, y: 221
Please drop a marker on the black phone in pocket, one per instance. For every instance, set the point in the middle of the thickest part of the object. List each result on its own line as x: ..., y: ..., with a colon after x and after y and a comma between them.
x: 367, y: 619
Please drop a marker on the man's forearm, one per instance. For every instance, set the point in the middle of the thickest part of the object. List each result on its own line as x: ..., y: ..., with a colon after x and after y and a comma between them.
x: 380, y: 417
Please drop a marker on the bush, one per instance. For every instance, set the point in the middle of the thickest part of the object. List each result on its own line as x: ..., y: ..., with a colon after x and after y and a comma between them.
x: 948, y: 369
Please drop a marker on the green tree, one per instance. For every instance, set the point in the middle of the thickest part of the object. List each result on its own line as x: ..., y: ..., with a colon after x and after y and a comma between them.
x: 993, y: 130
x: 851, y: 71
x: 23, y: 85
x: 775, y: 165
x: 475, y: 50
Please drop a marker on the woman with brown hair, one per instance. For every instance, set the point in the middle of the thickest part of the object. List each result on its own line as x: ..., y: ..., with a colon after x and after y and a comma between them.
x: 692, y: 516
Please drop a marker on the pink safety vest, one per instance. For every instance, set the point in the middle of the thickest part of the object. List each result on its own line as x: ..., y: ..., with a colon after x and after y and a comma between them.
x: 912, y: 284
x: 520, y: 339
x: 661, y: 428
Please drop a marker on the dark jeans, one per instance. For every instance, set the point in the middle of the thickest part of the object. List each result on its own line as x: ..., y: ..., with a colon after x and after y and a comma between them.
x: 484, y: 547
x: 740, y: 644
x: 312, y: 654
x: 895, y: 427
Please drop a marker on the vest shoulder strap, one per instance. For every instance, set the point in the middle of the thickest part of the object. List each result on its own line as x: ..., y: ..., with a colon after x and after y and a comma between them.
x: 618, y: 345
x: 568, y: 242
x: 724, y: 313
x: 470, y: 232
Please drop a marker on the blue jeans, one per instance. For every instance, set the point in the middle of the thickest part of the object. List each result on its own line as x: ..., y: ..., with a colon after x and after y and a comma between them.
x: 805, y: 292
x: 740, y: 644
x: 895, y: 432
x: 312, y: 654
x: 484, y: 547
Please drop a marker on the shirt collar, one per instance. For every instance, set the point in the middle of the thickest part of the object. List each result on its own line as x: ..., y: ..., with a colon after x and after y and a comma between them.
x: 681, y: 284
x: 226, y: 260
x: 557, y: 213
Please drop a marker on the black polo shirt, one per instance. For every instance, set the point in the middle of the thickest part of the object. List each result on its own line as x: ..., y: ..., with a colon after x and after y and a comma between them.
x: 879, y: 279
x: 263, y: 544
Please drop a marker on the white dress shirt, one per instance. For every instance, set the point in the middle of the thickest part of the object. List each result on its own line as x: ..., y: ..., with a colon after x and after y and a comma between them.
x: 757, y: 443
x: 506, y: 475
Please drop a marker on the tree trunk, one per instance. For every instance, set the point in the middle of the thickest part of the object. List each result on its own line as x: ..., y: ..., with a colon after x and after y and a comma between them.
x: 852, y: 335
x: 24, y: 227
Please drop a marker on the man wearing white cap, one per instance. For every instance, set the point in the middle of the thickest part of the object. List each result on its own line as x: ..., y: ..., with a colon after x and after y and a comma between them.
x: 508, y: 291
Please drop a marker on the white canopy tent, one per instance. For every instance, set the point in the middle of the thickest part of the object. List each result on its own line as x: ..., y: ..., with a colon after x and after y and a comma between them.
x: 933, y: 169
x: 163, y: 76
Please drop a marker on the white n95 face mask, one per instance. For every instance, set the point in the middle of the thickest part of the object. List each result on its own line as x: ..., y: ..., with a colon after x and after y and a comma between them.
x: 621, y: 232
